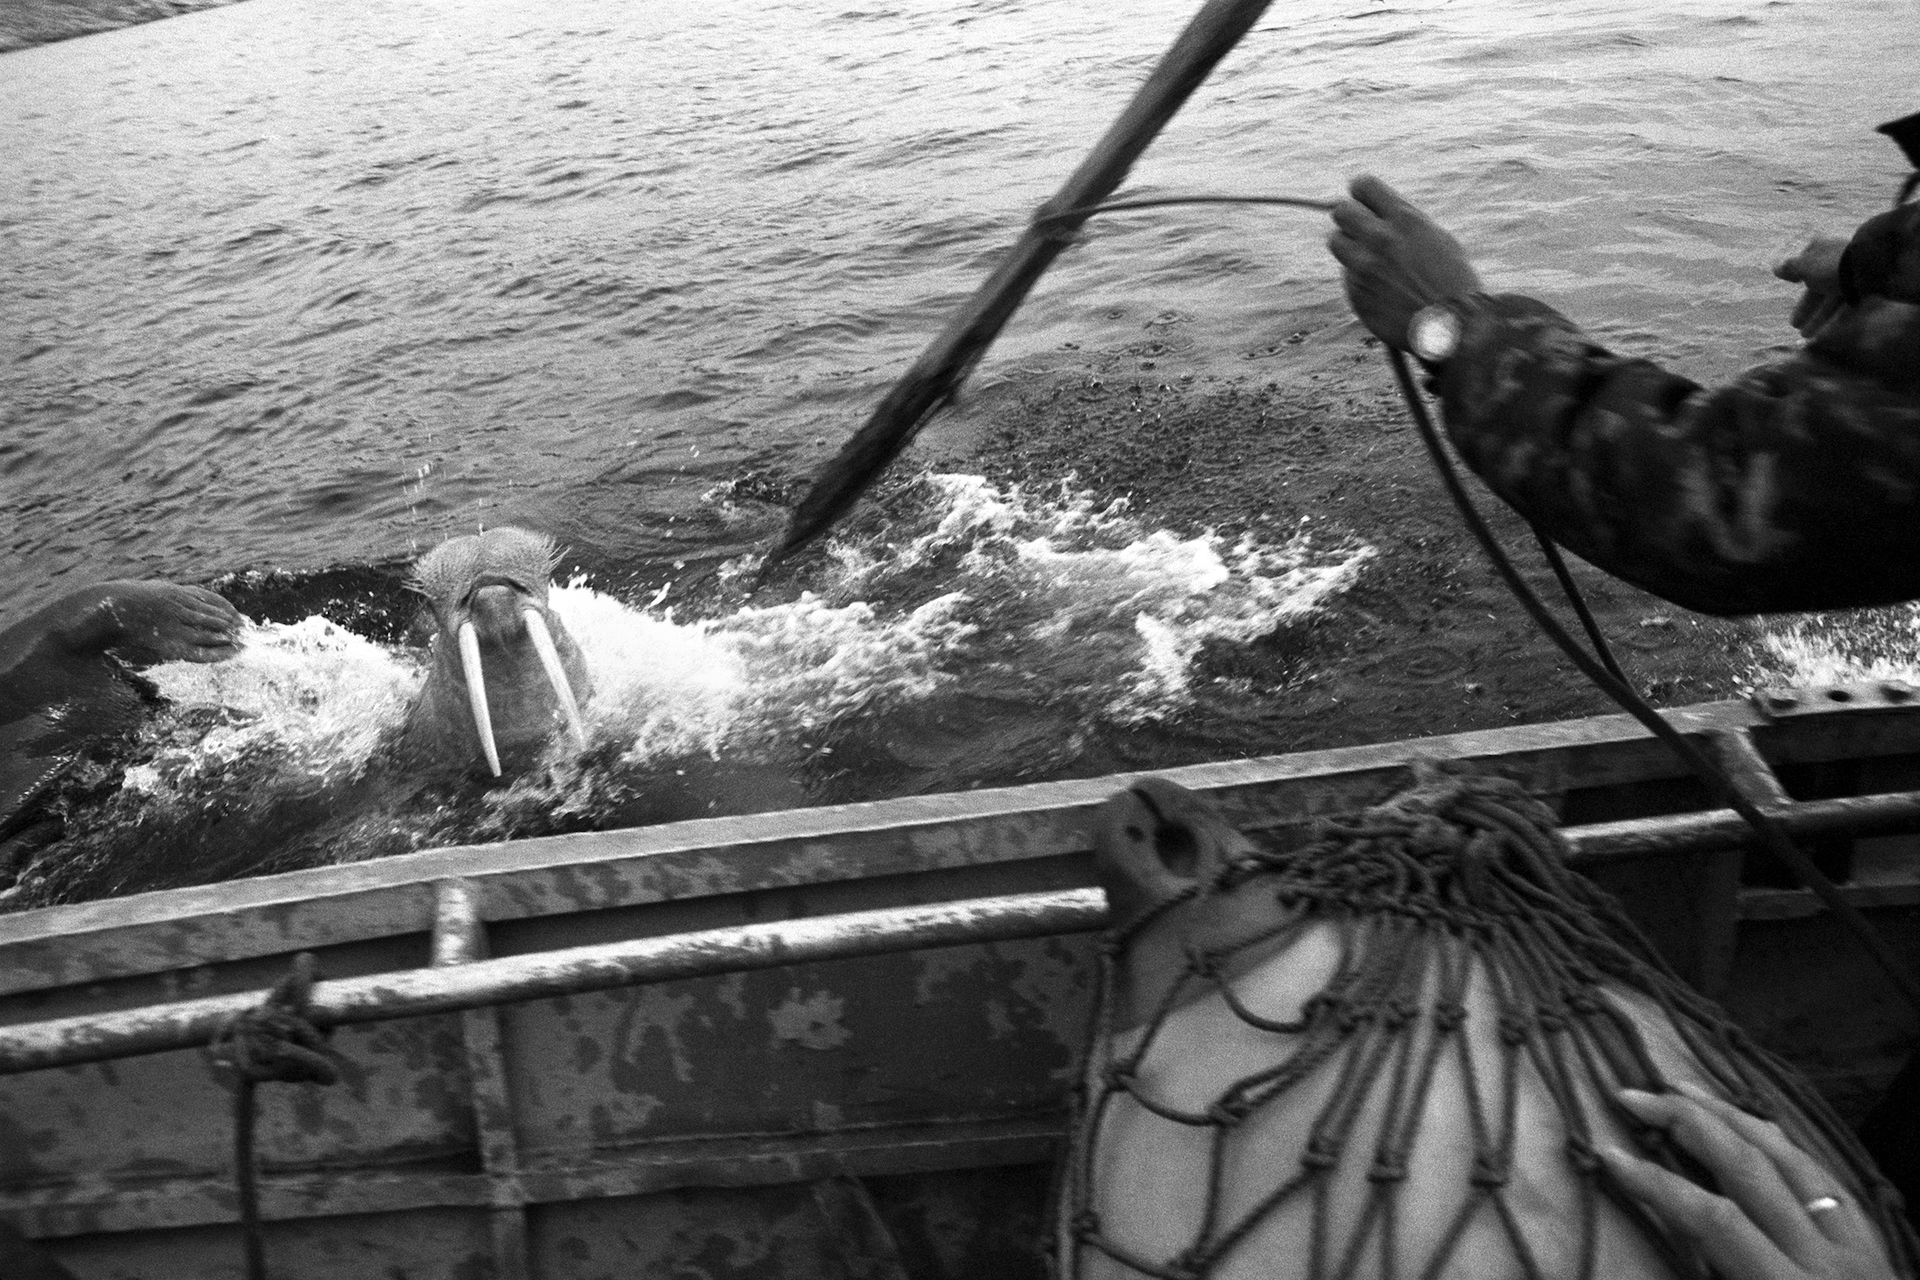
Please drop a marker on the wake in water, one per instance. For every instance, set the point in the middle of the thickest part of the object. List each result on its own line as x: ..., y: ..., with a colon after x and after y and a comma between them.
x: 987, y: 639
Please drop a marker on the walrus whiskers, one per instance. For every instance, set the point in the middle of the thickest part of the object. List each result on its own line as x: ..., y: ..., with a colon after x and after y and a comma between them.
x: 503, y: 674
x: 556, y: 674
x: 477, y: 692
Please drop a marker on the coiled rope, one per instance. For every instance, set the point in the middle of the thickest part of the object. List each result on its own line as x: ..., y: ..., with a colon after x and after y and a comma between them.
x: 273, y: 1041
x: 1460, y: 882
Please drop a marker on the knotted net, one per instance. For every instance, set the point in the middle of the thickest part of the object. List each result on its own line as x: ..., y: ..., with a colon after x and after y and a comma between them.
x: 1452, y: 903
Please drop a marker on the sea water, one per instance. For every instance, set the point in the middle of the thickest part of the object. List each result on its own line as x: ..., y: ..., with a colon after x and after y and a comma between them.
x: 296, y: 283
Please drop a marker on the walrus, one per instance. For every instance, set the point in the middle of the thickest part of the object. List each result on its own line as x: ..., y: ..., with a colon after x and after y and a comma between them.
x: 504, y: 674
x: 69, y: 677
x: 68, y: 673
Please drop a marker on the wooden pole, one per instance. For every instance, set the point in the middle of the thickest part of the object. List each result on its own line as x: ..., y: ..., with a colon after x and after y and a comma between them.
x: 944, y: 365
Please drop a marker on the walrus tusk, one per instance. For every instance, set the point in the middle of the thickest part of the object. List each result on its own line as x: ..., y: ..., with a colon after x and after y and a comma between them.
x: 477, y: 692
x: 556, y: 675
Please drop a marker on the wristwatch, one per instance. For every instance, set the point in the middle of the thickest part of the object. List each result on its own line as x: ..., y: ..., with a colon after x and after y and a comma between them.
x: 1433, y: 335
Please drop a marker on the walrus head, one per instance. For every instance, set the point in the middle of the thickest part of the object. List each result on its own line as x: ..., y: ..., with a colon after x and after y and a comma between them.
x: 505, y: 674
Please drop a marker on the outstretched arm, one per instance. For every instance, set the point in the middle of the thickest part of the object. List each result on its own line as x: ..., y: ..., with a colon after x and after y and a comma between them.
x: 1797, y: 486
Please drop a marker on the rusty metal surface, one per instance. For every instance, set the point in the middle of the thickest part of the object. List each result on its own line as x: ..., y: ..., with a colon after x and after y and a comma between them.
x: 123, y: 1202
x: 570, y: 972
x: 440, y: 1244
x: 1717, y: 829
x: 756, y: 1099
x: 596, y: 871
x: 460, y: 937
x: 271, y: 915
x: 949, y: 1058
x: 451, y: 985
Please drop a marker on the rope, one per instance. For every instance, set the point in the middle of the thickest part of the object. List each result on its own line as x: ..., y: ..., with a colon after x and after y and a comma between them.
x: 1157, y: 202
x: 273, y: 1041
x: 1571, y: 590
x: 1718, y: 784
x: 1460, y: 883
x: 1600, y: 667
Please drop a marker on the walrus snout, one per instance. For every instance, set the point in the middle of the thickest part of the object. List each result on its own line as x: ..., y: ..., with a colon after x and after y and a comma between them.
x: 504, y: 608
x: 512, y: 667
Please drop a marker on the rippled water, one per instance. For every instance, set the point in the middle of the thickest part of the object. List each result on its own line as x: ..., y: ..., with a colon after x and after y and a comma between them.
x: 295, y: 282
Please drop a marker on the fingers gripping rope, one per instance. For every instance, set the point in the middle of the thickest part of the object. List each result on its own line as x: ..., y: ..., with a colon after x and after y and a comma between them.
x: 1458, y: 888
x: 273, y: 1041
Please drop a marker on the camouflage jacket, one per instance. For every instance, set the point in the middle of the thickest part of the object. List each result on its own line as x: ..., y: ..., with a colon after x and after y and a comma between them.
x: 1796, y: 486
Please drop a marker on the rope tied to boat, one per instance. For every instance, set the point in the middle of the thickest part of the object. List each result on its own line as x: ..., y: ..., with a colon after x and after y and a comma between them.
x: 1453, y: 901
x: 273, y: 1041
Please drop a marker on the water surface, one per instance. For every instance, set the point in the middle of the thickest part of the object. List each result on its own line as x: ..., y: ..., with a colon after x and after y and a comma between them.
x: 295, y: 282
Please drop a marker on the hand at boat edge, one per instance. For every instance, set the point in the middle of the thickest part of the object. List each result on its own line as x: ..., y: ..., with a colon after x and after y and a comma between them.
x: 1774, y: 1221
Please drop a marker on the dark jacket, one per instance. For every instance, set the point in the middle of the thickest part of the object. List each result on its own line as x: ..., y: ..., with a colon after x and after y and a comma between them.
x: 1796, y: 486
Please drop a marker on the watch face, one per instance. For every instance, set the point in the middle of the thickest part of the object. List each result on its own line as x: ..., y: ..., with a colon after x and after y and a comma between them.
x: 1434, y: 333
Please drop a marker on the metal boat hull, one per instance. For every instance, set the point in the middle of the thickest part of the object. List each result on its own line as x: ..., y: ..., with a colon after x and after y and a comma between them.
x: 780, y: 1045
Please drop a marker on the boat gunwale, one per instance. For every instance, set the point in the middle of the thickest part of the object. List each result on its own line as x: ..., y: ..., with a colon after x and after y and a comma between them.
x: 172, y: 929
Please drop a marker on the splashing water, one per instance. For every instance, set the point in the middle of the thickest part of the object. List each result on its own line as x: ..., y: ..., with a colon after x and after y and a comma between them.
x: 317, y: 695
x: 753, y: 678
x: 1069, y: 612
x: 1078, y: 596
x: 1878, y: 644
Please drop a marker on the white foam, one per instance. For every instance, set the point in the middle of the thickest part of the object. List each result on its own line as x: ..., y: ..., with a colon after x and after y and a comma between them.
x: 1073, y: 601
x: 663, y: 687
x: 315, y: 693
x: 1804, y: 654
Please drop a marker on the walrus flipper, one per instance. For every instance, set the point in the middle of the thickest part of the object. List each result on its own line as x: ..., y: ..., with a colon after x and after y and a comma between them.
x: 67, y: 672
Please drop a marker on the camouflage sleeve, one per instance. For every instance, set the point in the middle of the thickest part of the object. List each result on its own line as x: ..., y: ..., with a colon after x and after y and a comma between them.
x: 1796, y: 486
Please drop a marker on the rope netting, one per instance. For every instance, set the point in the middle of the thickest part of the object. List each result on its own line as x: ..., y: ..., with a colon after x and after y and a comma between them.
x: 1436, y: 1097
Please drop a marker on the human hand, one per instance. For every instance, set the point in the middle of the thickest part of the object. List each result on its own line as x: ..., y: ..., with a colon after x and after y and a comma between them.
x: 1762, y: 1227
x: 1818, y: 267
x: 1396, y: 259
x: 149, y: 622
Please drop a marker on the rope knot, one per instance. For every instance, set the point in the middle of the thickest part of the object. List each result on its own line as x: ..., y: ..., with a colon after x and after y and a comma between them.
x: 1317, y: 1006
x: 275, y: 1040
x: 1323, y: 1152
x: 1118, y: 1077
x: 1516, y: 1027
x: 1489, y: 1170
x: 1448, y: 1015
x: 1388, y: 1168
x: 1086, y: 1224
x: 1349, y: 1015
x: 1398, y: 1013
x: 1202, y: 963
x: 1189, y: 1264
